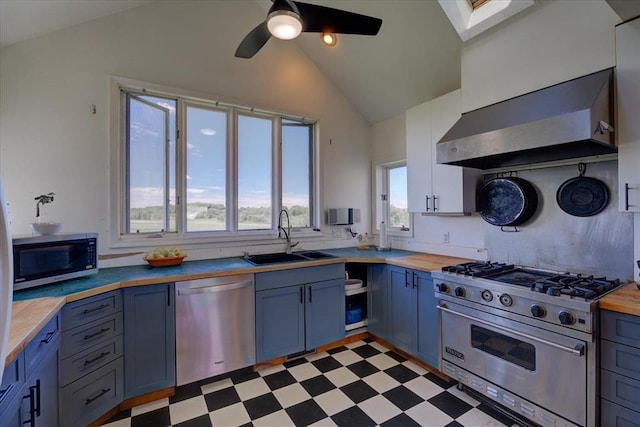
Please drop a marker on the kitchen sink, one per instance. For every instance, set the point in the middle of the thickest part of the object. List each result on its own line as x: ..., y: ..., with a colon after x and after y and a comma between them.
x: 262, y: 259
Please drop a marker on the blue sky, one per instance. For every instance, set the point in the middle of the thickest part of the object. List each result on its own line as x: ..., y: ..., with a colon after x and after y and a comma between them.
x: 206, y: 157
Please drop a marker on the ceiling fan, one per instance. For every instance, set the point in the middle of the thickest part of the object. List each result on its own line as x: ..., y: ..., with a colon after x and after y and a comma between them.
x: 286, y: 19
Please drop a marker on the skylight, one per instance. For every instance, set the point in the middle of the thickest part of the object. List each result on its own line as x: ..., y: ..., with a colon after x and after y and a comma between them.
x: 469, y: 19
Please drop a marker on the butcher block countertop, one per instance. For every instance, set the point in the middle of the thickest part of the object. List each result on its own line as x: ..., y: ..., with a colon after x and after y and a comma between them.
x: 33, y: 308
x: 624, y: 300
x: 27, y: 319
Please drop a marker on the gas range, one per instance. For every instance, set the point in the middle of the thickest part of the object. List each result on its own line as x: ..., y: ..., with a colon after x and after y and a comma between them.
x: 509, y: 332
x: 559, y: 298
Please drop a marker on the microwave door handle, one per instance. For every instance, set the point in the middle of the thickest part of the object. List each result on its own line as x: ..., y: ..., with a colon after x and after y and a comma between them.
x: 578, y: 350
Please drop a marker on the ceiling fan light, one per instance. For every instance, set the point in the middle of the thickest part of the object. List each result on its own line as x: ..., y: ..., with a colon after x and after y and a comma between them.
x: 330, y: 39
x: 284, y: 24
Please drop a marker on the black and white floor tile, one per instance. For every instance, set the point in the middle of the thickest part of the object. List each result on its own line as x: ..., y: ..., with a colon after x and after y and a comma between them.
x: 361, y: 384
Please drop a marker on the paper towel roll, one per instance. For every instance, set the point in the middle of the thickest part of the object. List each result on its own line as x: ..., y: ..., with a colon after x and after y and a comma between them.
x: 383, y: 236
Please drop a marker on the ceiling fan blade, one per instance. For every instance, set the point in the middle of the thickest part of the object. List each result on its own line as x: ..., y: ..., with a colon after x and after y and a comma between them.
x: 253, y: 41
x: 322, y: 19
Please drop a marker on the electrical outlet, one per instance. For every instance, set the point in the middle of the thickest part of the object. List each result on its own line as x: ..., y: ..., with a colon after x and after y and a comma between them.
x: 445, y: 237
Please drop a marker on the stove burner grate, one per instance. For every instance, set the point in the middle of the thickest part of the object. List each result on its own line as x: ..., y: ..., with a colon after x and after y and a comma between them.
x: 587, y: 287
x: 477, y: 269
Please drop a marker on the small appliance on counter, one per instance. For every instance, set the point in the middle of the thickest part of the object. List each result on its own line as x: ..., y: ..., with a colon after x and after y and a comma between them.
x: 40, y: 260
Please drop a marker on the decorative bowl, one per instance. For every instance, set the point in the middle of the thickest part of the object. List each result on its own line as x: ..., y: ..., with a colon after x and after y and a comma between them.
x: 165, y: 262
x: 46, y: 228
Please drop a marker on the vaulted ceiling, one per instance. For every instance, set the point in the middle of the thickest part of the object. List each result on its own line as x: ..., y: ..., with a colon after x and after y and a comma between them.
x: 415, y: 57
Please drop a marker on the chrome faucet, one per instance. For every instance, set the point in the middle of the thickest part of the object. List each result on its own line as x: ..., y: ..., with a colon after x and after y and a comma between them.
x: 287, y: 232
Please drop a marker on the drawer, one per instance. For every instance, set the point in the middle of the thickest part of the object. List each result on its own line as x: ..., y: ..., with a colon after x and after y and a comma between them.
x: 79, y: 364
x: 93, y: 333
x: 92, y: 396
x: 620, y: 327
x: 620, y: 358
x: 12, y: 381
x: 298, y: 276
x: 89, y: 309
x: 612, y: 415
x: 621, y: 390
x: 43, y: 341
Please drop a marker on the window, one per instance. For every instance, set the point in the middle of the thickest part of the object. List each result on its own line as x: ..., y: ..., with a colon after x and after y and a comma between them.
x: 193, y: 168
x: 391, y: 205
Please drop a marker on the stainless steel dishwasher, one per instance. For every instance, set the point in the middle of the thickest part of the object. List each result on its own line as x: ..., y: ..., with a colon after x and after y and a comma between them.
x: 215, y: 326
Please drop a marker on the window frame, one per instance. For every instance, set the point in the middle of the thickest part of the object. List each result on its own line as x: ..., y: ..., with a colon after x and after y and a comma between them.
x: 118, y: 180
x: 381, y: 207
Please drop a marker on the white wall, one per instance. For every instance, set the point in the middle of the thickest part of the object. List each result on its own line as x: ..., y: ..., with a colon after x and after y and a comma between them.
x: 49, y: 140
x: 551, y: 42
x: 465, y: 233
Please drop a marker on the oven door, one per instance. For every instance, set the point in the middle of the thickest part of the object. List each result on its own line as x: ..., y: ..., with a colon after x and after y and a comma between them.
x: 542, y: 367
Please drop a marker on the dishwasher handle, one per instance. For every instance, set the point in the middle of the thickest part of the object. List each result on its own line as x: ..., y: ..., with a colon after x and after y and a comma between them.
x: 215, y: 288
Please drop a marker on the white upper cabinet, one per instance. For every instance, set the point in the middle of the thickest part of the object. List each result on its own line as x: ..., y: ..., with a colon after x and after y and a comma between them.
x: 628, y: 106
x: 435, y: 188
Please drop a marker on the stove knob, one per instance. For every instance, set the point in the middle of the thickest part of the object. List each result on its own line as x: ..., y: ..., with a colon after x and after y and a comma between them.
x: 538, y: 311
x: 566, y: 318
x: 486, y: 295
x: 506, y: 300
x: 442, y: 287
x: 459, y: 291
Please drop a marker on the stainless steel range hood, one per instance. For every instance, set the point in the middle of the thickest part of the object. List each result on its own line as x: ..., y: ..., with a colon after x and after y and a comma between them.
x: 568, y: 120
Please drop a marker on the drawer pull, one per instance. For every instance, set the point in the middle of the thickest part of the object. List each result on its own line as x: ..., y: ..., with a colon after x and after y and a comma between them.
x: 95, y: 359
x: 102, y: 393
x: 48, y: 338
x: 91, y: 310
x: 100, y: 332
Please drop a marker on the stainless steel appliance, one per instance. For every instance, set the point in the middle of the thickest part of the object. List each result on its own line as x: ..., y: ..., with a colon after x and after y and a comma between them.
x: 523, y: 337
x: 215, y: 326
x: 40, y: 260
x: 564, y: 121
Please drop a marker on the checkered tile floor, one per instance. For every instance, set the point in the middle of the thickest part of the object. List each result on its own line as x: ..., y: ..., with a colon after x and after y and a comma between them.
x: 361, y: 384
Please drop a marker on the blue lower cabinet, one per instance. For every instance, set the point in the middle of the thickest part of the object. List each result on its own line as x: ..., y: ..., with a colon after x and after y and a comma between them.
x: 324, y: 312
x: 402, y: 310
x: 91, y: 364
x: 428, y: 328
x: 298, y: 310
x: 34, y: 401
x: 411, y: 314
x: 149, y: 339
x: 376, y: 314
x: 279, y: 322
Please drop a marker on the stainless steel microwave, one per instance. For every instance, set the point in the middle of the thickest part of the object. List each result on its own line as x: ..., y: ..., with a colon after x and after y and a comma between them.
x: 40, y: 260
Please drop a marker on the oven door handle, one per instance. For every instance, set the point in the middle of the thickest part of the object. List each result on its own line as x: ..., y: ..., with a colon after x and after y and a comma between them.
x: 578, y: 350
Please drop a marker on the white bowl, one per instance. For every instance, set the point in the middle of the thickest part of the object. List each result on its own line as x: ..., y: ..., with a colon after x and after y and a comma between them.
x: 350, y: 284
x: 46, y: 228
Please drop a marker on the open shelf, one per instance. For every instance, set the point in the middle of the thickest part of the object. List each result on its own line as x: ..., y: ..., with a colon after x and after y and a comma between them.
x: 355, y: 291
x: 356, y: 325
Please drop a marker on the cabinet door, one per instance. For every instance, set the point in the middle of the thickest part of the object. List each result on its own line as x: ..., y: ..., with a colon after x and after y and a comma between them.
x: 149, y: 339
x: 401, y: 314
x: 418, y: 135
x: 45, y: 379
x: 428, y: 340
x: 279, y: 322
x: 377, y: 283
x: 324, y: 312
x: 452, y: 186
x: 628, y: 104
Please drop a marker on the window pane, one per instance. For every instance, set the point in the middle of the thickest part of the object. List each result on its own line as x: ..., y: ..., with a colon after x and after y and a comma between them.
x: 398, y: 212
x: 296, y: 172
x: 151, y: 159
x: 206, y: 170
x: 254, y: 173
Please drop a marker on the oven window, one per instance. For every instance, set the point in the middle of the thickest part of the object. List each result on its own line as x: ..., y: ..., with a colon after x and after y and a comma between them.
x: 504, y: 347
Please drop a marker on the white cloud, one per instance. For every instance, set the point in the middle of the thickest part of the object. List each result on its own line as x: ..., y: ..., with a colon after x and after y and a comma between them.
x: 190, y: 146
x: 195, y: 190
x: 208, y: 132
